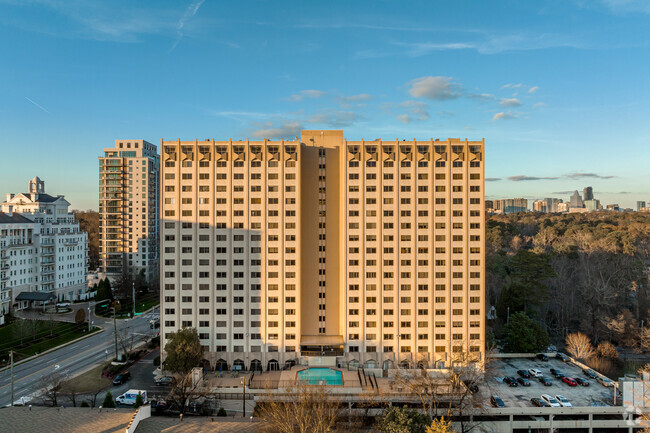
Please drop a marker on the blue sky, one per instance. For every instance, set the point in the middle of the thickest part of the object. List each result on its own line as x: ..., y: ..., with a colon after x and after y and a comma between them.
x: 558, y: 89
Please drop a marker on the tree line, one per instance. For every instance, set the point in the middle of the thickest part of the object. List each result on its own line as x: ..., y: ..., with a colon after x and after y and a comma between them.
x: 558, y: 274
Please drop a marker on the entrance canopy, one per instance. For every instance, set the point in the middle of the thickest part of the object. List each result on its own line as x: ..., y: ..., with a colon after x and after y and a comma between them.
x: 321, y: 340
x: 35, y: 296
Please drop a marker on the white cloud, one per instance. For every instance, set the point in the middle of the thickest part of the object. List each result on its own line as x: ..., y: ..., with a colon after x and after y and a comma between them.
x: 439, y: 88
x: 307, y: 94
x: 481, y: 96
x: 504, y: 116
x: 511, y: 86
x: 335, y: 118
x: 191, y: 10
x: 539, y: 105
x: 404, y: 118
x: 510, y: 102
x: 416, y: 110
x: 271, y: 130
x: 533, y: 89
x: 356, y: 98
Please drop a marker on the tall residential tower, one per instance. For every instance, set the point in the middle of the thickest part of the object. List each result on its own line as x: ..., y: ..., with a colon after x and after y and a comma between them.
x: 129, y: 208
x: 358, y: 252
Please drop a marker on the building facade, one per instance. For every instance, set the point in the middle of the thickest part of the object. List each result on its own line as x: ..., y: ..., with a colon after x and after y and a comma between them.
x: 540, y: 206
x: 367, y: 252
x: 129, y: 179
x: 587, y: 193
x: 42, y: 248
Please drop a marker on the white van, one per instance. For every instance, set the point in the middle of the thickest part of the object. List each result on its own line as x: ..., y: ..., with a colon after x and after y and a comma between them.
x: 128, y: 398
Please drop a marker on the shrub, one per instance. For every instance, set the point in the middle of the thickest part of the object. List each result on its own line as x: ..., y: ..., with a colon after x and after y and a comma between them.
x: 139, y: 401
x: 108, y: 400
x: 222, y: 412
x: 156, y: 361
x: 84, y: 404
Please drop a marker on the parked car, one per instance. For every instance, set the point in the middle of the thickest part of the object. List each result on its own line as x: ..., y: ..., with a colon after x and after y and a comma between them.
x: 557, y: 373
x: 496, y: 401
x: 523, y: 381
x: 590, y: 373
x: 122, y: 378
x: 562, y: 357
x: 569, y: 381
x: 63, y: 304
x: 550, y: 400
x: 545, y: 381
x: 542, y: 357
x: 523, y: 373
x: 510, y: 381
x: 581, y: 381
x: 604, y: 381
x: 563, y: 401
x: 164, y: 381
x: 535, y: 372
x: 539, y: 402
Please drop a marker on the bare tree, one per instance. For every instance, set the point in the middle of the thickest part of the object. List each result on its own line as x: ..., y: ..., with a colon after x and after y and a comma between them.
x: 301, y: 408
x: 579, y: 345
x: 51, y: 385
x: 607, y: 350
x: 126, y: 340
x: 186, y: 389
x: 450, y: 393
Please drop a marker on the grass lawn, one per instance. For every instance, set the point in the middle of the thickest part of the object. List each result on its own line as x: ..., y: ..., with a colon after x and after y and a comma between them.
x: 88, y: 382
x: 143, y: 303
x: 37, y: 336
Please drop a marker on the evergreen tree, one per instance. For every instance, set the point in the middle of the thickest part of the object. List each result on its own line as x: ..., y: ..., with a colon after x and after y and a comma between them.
x: 108, y: 400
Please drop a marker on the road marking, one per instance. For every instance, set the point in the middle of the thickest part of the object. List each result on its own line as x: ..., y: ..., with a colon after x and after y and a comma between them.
x: 44, y: 368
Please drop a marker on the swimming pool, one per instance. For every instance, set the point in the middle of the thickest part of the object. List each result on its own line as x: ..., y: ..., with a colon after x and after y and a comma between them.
x: 318, y: 376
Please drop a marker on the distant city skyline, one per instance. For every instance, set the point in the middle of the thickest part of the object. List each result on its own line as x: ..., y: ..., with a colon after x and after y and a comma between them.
x: 556, y: 88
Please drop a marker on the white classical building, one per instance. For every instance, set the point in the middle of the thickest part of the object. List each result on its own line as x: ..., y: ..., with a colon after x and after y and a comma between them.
x: 42, y: 249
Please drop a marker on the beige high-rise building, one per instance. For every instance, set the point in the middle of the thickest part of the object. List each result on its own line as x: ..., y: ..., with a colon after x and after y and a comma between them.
x: 341, y: 252
x: 129, y: 176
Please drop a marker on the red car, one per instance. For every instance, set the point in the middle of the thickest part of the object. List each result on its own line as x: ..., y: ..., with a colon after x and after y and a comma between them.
x: 569, y: 381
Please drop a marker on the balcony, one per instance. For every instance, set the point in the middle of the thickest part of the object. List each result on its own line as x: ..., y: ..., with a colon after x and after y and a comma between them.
x: 69, y: 243
x: 47, y: 271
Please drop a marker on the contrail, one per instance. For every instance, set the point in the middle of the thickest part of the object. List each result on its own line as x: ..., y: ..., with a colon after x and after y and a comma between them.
x: 191, y: 10
x: 37, y: 105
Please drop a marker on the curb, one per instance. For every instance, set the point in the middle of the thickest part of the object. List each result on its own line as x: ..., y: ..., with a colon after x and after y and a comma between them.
x: 129, y: 318
x: 101, y: 329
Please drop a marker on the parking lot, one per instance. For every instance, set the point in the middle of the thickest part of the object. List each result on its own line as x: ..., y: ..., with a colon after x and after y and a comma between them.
x: 520, y: 396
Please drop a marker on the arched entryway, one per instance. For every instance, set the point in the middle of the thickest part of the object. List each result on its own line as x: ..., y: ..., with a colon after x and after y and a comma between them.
x: 205, y: 365
x: 404, y: 364
x: 273, y: 365
x: 288, y: 364
x: 238, y: 364
x: 371, y: 363
x: 388, y: 364
x: 256, y: 365
x: 353, y: 364
x: 422, y: 364
x: 221, y: 365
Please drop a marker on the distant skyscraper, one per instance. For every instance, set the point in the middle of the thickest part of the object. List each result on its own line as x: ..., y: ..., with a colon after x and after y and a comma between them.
x: 588, y: 193
x: 539, y: 206
x: 129, y: 177
x: 639, y: 205
x: 592, y: 205
x: 576, y: 201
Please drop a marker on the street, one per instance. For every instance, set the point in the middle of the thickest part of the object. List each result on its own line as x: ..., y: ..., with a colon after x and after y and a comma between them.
x: 72, y: 359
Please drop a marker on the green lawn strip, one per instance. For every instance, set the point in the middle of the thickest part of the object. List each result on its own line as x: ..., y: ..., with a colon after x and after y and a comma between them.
x: 38, y: 336
x: 87, y: 382
x: 141, y: 305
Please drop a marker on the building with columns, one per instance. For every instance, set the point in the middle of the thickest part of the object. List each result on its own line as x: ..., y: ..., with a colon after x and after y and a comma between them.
x: 325, y: 250
x: 42, y: 248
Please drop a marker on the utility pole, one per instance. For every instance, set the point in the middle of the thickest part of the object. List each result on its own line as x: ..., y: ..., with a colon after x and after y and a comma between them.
x: 115, y: 326
x: 89, y: 316
x: 243, y: 402
x: 11, y: 357
x: 508, y: 319
x: 133, y: 299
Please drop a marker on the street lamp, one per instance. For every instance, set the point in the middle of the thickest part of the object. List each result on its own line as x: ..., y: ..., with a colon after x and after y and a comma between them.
x: 243, y: 401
